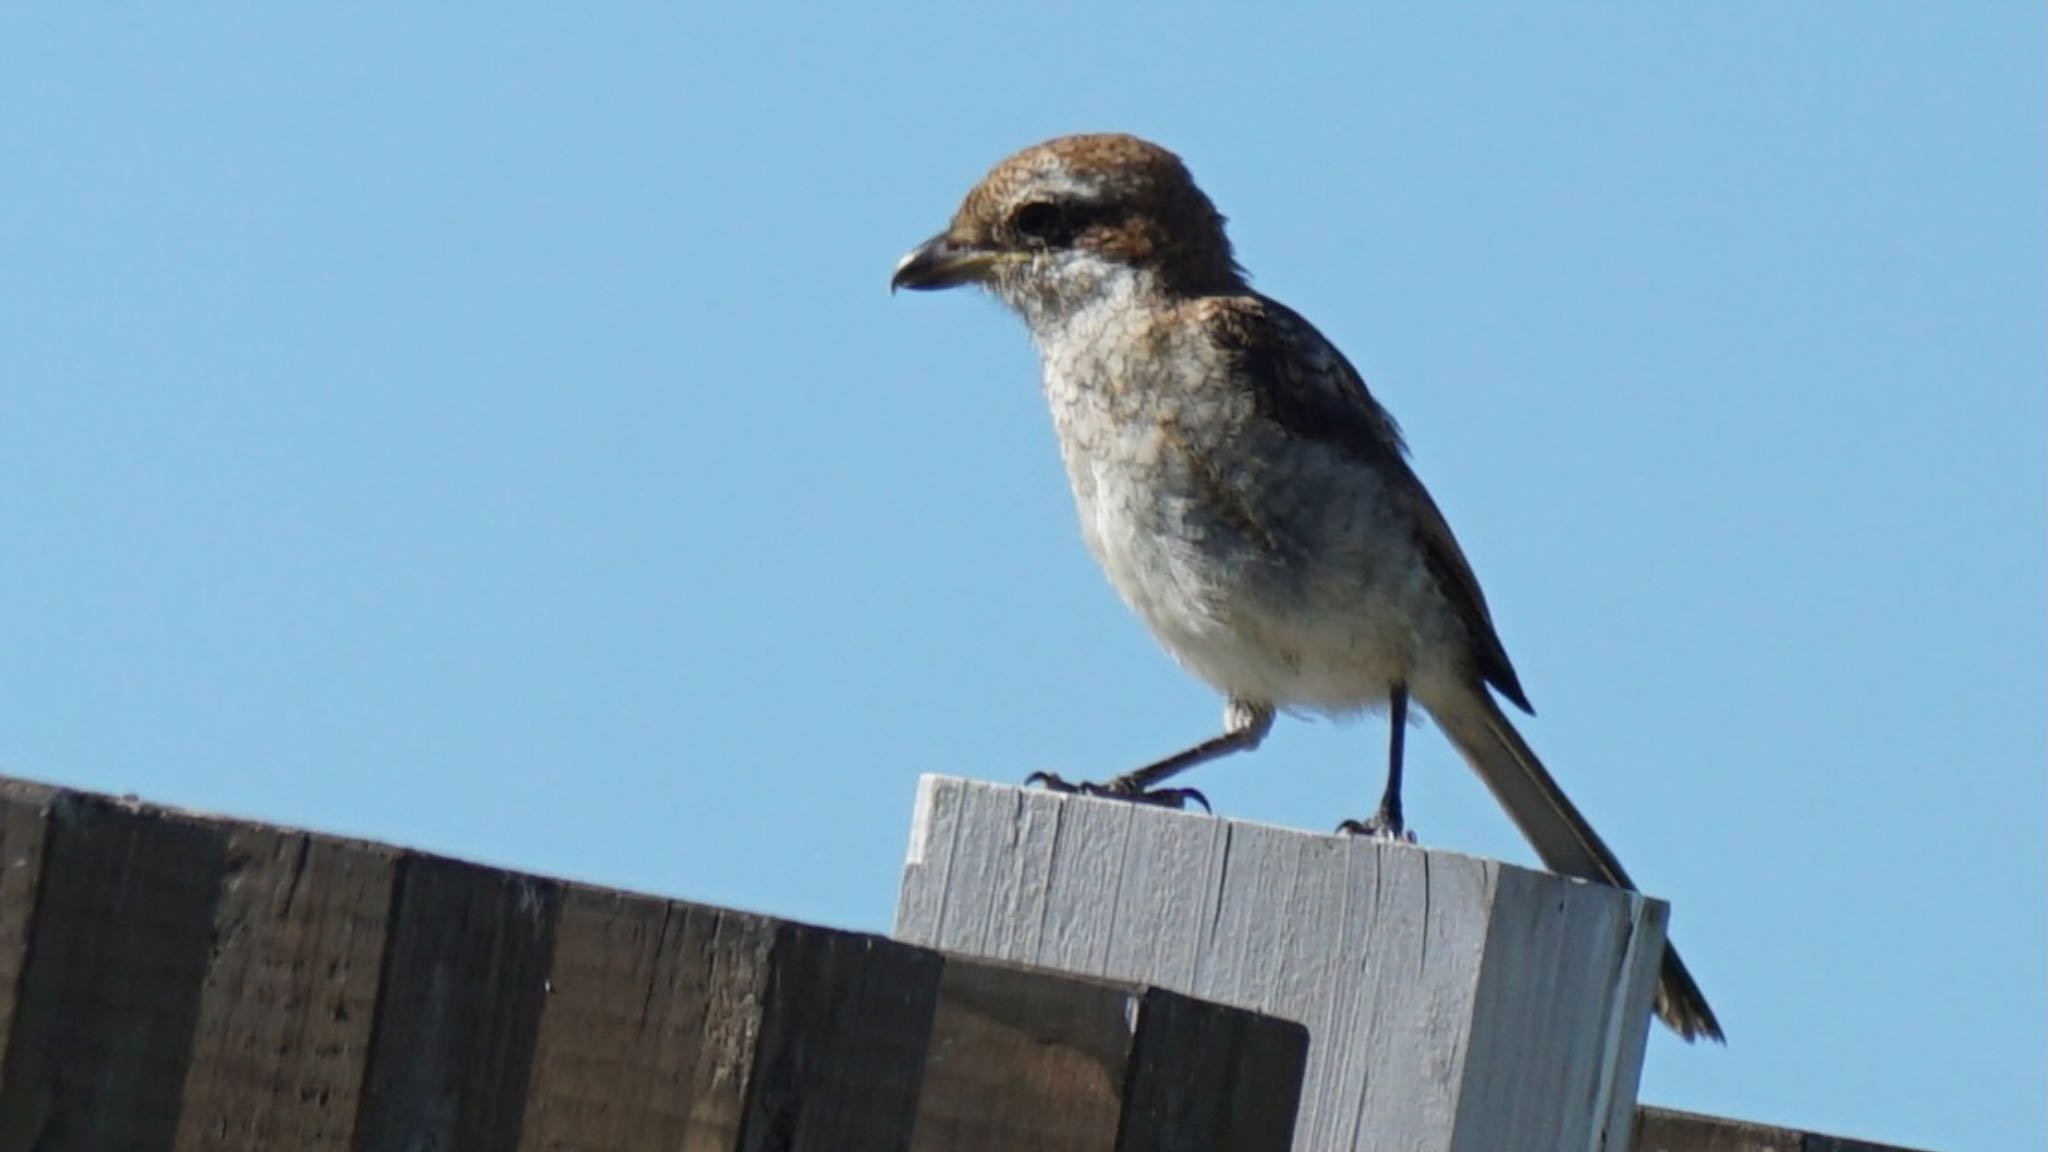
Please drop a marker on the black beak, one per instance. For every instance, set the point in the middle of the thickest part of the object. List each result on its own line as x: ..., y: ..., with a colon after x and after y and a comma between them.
x: 940, y: 263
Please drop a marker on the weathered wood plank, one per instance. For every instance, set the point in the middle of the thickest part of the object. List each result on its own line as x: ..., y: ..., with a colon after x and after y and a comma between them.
x: 102, y: 1029
x: 1452, y: 1002
x: 168, y: 980
x: 1201, y: 1078
x: 24, y: 809
x: 1021, y: 1063
x: 1662, y: 1130
x: 1560, y: 1013
x: 465, y: 975
x: 648, y: 1034
x: 841, y: 1052
x: 289, y: 998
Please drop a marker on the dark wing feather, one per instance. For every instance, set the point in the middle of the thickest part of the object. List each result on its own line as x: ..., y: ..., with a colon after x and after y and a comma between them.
x: 1310, y: 389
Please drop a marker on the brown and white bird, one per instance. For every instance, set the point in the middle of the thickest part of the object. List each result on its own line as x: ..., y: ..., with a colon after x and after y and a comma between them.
x: 1246, y: 495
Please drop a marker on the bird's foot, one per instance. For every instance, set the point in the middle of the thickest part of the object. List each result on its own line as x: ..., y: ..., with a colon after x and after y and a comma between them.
x: 1380, y: 827
x: 1123, y: 788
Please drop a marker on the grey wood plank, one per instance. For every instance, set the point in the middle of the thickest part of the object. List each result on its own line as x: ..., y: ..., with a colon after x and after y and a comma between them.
x: 1451, y: 1002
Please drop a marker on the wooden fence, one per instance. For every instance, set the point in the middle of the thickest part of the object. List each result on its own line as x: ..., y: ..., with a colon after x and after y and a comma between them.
x: 1069, y: 974
x: 171, y: 981
x: 1452, y: 1003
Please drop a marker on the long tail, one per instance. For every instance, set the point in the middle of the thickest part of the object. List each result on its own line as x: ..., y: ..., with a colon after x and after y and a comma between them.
x: 1560, y: 835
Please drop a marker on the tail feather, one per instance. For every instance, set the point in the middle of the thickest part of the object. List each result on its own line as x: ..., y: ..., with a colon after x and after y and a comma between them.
x: 1562, y: 838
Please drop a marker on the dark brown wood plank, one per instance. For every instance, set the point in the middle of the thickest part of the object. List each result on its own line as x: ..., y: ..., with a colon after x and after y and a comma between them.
x: 1662, y: 1130
x: 1210, y: 1077
x: 1022, y: 1061
x: 123, y: 924
x: 842, y: 1045
x: 283, y: 1034
x: 23, y: 809
x: 649, y: 1029
x: 465, y: 975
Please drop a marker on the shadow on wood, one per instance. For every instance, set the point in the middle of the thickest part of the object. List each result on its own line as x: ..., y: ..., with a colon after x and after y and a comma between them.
x: 1452, y: 1003
x: 171, y: 981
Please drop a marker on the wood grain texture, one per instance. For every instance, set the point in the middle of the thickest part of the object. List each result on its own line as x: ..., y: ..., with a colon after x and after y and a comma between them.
x: 1662, y: 1130
x: 24, y: 809
x: 174, y: 981
x: 1453, y: 1003
x: 648, y: 1034
x: 285, y: 1013
x: 844, y: 1025
x: 1208, y: 1079
x: 99, y: 1043
x: 1565, y: 961
x: 464, y: 976
x: 1019, y: 1062
x: 1022, y: 1061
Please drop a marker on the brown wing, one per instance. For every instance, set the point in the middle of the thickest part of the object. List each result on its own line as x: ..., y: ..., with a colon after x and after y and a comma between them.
x: 1310, y: 389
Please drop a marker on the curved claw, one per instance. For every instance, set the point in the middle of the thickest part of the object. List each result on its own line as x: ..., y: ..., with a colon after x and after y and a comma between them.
x: 1377, y: 831
x: 1176, y: 798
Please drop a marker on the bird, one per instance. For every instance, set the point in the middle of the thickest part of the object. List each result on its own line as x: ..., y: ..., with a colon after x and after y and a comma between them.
x: 1244, y: 492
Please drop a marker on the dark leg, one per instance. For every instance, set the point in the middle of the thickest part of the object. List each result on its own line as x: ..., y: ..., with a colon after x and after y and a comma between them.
x: 1245, y: 723
x: 1388, y: 823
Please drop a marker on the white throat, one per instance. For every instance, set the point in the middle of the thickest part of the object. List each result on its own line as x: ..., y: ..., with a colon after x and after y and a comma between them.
x: 1073, y: 293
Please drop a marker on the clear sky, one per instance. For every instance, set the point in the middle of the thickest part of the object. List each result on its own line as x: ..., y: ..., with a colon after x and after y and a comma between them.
x: 494, y: 434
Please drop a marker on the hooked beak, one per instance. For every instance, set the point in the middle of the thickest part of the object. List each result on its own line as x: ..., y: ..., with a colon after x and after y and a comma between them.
x: 940, y: 263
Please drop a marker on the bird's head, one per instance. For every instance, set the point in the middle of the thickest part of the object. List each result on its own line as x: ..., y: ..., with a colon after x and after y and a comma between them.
x: 1058, y: 225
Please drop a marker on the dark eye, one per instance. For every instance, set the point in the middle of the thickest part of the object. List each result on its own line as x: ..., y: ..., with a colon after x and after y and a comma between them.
x: 1039, y: 221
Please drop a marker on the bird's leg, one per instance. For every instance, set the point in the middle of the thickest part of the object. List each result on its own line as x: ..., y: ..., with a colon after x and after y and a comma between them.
x: 1387, y: 823
x: 1245, y: 723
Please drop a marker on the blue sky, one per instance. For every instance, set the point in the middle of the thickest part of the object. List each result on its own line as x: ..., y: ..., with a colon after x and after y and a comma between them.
x: 494, y: 434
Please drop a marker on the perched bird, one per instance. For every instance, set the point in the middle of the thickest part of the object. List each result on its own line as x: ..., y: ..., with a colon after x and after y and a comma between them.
x: 1244, y: 492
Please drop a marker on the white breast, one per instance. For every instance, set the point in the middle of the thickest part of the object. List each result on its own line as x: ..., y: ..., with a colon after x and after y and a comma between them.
x: 1294, y: 636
